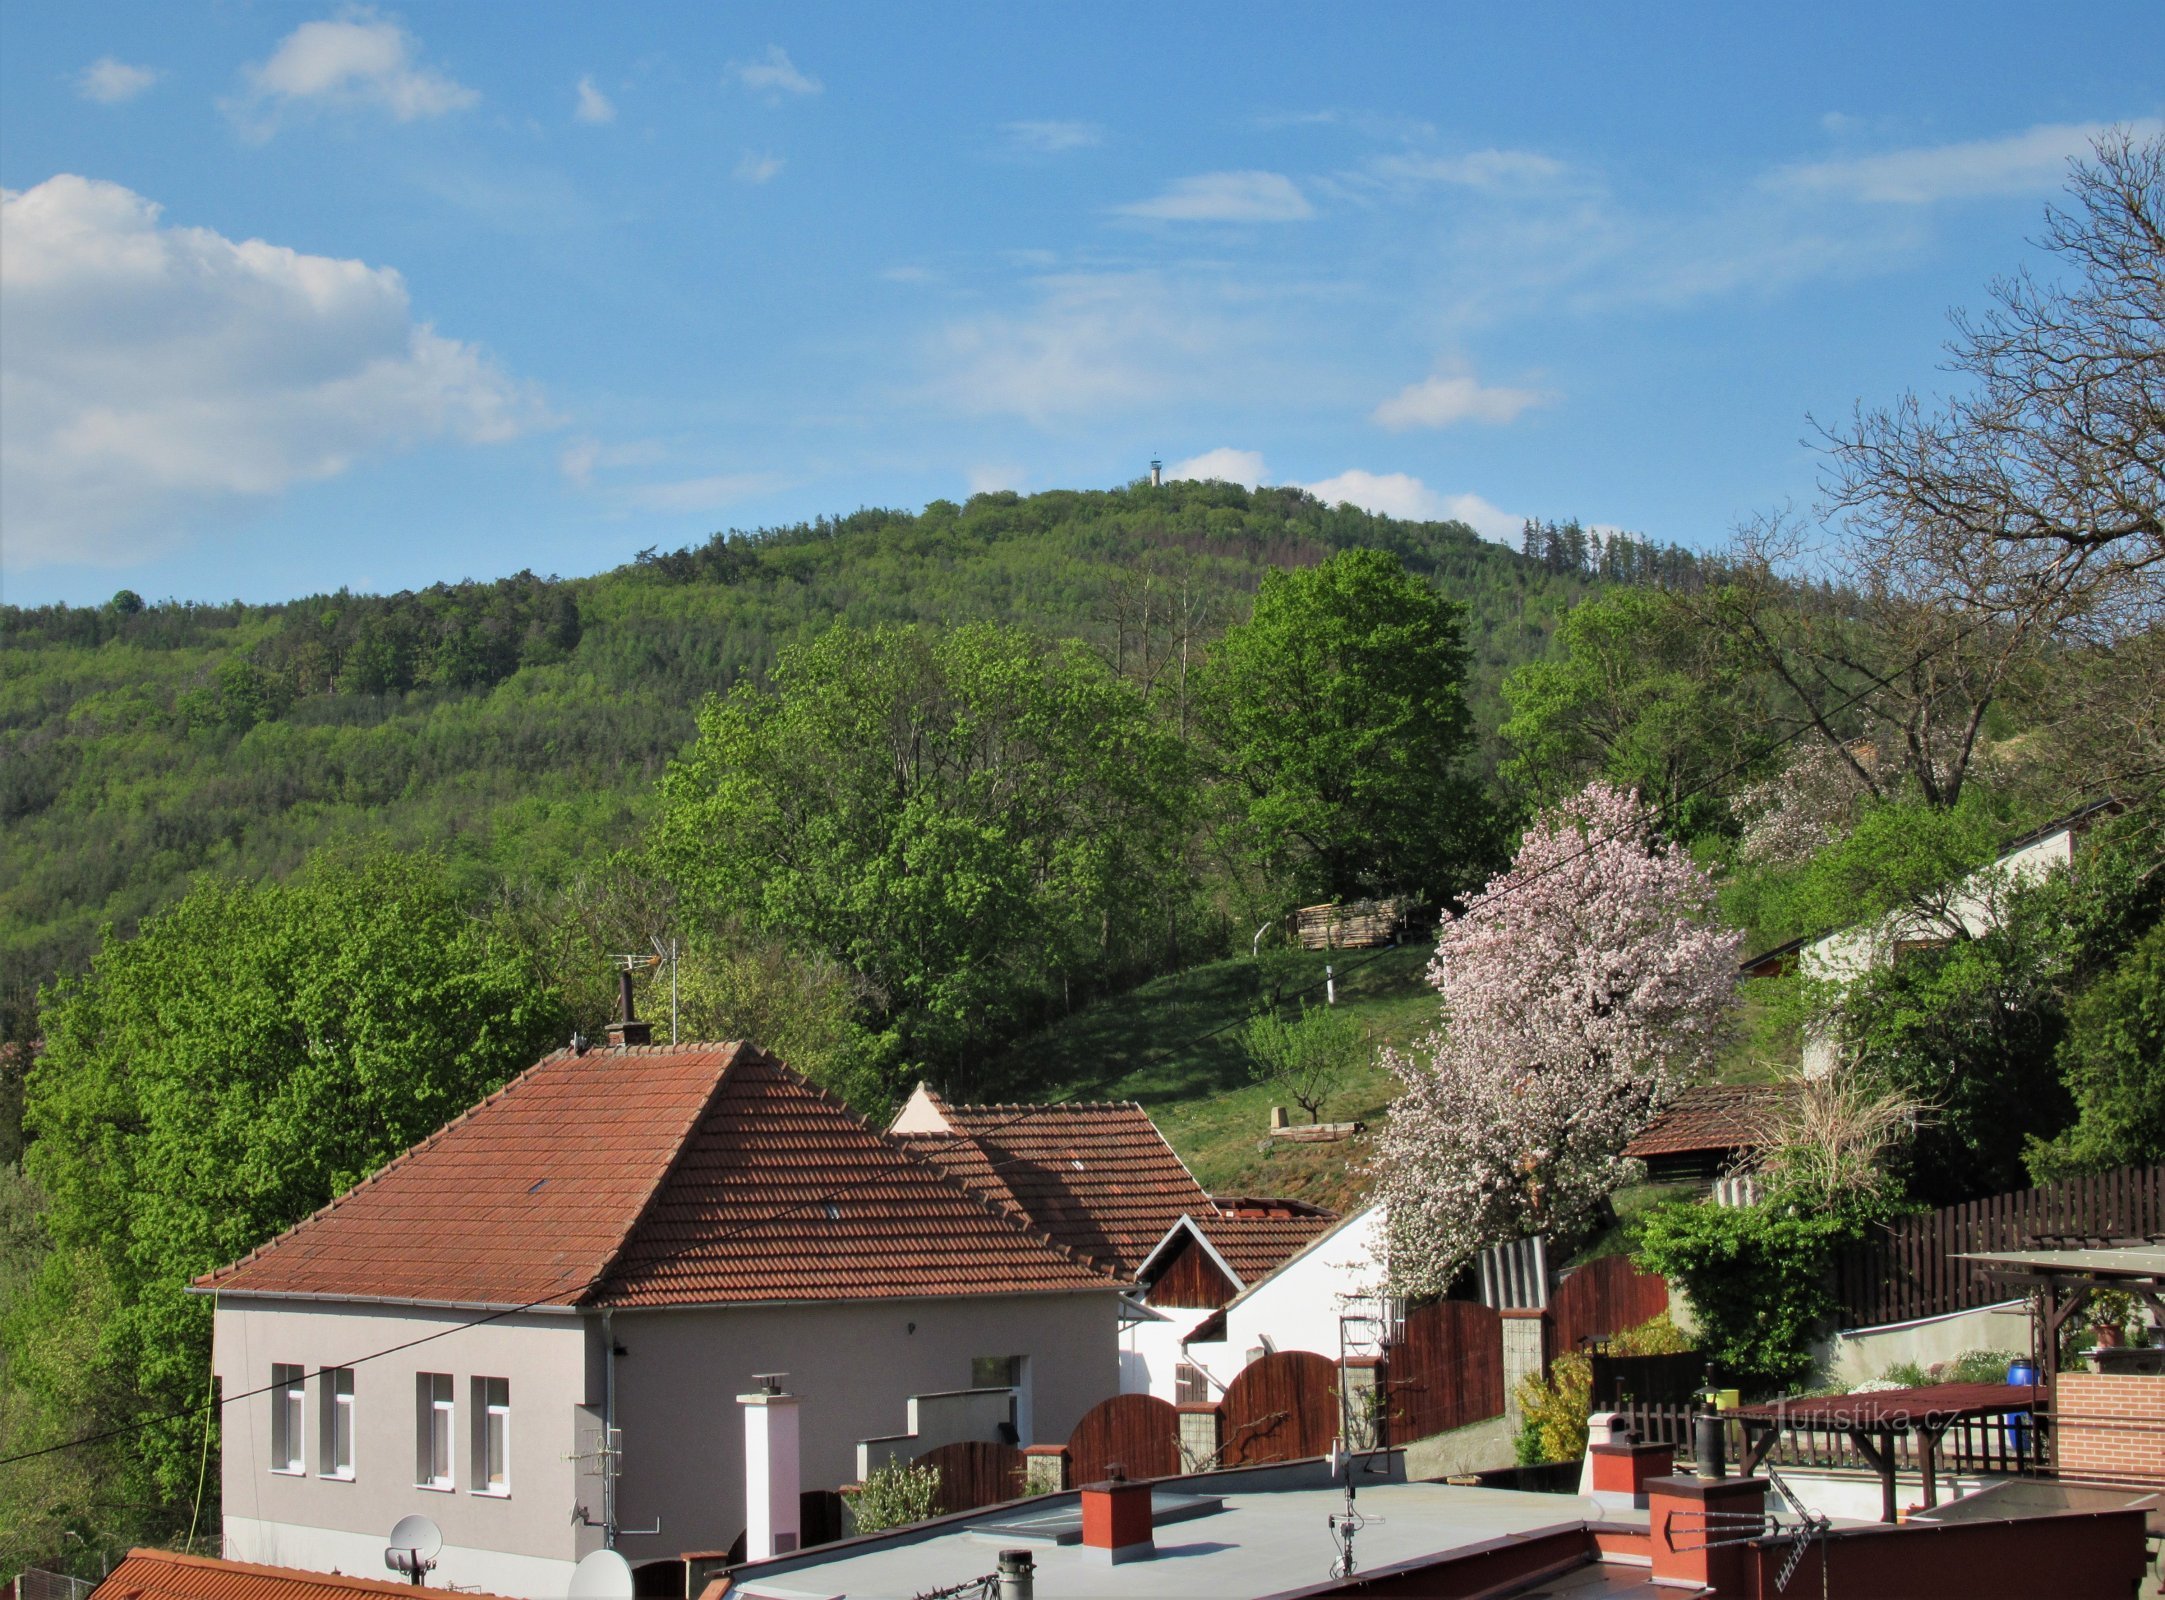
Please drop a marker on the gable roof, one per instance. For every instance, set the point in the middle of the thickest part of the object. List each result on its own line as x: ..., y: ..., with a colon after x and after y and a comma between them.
x: 1247, y: 1248
x: 169, y: 1575
x: 1096, y: 1177
x: 1710, y: 1117
x: 652, y: 1176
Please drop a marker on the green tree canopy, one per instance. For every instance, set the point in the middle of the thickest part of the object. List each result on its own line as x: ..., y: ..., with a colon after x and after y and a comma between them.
x: 970, y: 819
x: 1338, y: 712
x: 1635, y: 692
x: 251, y: 1053
x: 2113, y: 1063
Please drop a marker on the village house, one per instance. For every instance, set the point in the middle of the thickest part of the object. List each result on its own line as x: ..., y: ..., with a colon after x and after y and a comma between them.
x: 1099, y: 1178
x: 536, y: 1326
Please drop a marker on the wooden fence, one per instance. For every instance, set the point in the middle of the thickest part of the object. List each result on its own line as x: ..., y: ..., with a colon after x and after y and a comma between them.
x: 974, y: 1473
x: 1138, y: 1433
x: 1973, y: 1444
x: 1445, y: 1370
x: 1280, y: 1408
x: 1669, y: 1380
x: 1909, y: 1269
x: 1605, y: 1296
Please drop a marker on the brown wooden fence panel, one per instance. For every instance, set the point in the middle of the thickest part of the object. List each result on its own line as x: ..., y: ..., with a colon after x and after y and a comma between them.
x: 1605, y: 1296
x: 1281, y: 1408
x: 975, y: 1472
x: 1445, y: 1370
x: 1137, y: 1432
x: 1913, y: 1267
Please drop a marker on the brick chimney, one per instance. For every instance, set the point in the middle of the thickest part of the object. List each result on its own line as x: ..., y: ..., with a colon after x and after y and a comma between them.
x: 1116, y: 1521
x: 771, y: 1479
x: 628, y: 1029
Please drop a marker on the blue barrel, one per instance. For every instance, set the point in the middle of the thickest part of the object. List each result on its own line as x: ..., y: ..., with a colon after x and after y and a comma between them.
x: 2022, y: 1374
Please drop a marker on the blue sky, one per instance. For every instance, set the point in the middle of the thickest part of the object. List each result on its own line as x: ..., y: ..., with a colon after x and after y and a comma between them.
x: 301, y: 296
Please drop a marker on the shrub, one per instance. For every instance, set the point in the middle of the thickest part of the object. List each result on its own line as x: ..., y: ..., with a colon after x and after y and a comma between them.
x: 896, y: 1494
x: 1555, y: 1409
x: 1758, y: 1278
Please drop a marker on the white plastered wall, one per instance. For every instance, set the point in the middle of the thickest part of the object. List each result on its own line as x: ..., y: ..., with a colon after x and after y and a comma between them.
x: 523, y: 1543
x: 1298, y: 1306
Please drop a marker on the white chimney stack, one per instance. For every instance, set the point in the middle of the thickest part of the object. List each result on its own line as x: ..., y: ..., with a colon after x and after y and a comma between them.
x: 771, y: 1476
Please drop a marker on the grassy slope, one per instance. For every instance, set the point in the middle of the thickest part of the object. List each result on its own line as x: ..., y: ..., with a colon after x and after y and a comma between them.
x: 1174, y: 1046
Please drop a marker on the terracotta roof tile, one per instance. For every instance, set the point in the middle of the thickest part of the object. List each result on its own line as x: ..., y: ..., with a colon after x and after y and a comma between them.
x: 1712, y: 1116
x: 169, y: 1575
x: 656, y: 1176
x: 1255, y: 1247
x: 1096, y: 1177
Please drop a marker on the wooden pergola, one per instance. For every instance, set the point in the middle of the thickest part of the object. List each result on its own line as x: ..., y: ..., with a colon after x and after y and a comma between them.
x: 1874, y: 1421
x: 2066, y: 1279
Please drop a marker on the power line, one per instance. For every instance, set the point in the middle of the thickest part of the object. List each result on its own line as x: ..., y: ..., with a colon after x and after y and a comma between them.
x: 1489, y: 901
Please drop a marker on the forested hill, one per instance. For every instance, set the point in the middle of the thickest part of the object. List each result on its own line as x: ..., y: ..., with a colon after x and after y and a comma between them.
x: 519, y: 724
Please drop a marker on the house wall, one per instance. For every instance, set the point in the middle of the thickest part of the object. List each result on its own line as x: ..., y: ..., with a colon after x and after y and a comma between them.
x: 522, y: 1543
x: 1149, y: 1351
x: 1858, y: 1354
x: 1845, y: 956
x: 2111, y: 1425
x: 853, y: 1367
x: 1297, y: 1307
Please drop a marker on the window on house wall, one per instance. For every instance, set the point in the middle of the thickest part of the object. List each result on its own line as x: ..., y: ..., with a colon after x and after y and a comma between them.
x: 337, y: 1424
x: 492, y: 1435
x: 1190, y: 1386
x: 432, y: 1430
x: 288, y: 1417
x: 995, y: 1372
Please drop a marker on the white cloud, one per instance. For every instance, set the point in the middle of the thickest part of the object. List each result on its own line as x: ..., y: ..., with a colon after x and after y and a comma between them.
x: 358, y: 60
x: 1094, y: 343
x: 1394, y: 494
x: 703, y: 494
x: 1449, y: 398
x: 988, y: 477
x: 2031, y: 162
x: 774, y: 75
x: 109, y: 82
x: 758, y: 166
x: 580, y: 459
x: 155, y: 376
x: 593, y: 106
x: 1050, y: 138
x: 1478, y: 169
x: 1228, y: 465
x: 1226, y: 197
x: 1485, y: 519
x: 1400, y: 494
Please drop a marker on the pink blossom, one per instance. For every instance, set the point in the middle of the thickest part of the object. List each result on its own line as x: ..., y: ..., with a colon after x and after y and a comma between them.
x: 1581, y: 989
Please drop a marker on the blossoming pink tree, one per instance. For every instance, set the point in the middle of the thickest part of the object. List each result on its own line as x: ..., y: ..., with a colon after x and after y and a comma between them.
x: 1581, y: 989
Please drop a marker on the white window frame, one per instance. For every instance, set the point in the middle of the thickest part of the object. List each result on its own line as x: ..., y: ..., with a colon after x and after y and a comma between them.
x: 492, y: 1416
x: 289, y: 1419
x: 337, y: 1425
x: 434, y: 1432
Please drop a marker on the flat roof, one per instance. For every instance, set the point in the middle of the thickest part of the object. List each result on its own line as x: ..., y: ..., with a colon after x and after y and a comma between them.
x: 1260, y: 1543
x: 2120, y: 1261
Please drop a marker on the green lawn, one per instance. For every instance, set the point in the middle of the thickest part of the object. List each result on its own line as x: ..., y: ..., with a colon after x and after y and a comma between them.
x: 1174, y: 1045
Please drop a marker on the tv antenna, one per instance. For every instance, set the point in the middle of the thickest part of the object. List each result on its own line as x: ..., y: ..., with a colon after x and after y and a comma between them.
x: 414, y: 1543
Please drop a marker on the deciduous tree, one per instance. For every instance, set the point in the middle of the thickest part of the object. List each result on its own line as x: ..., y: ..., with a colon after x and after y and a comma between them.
x: 1580, y: 990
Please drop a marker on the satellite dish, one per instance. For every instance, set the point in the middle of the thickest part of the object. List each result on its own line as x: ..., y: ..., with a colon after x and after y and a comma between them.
x: 414, y: 1543
x: 603, y: 1575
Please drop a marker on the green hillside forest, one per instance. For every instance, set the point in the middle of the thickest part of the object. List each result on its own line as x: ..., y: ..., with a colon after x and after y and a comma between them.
x: 519, y: 725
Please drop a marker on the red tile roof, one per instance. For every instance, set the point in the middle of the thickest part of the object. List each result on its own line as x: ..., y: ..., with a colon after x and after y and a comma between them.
x: 169, y: 1575
x: 1255, y: 1247
x: 1097, y: 1177
x: 1712, y: 1116
x: 700, y: 1175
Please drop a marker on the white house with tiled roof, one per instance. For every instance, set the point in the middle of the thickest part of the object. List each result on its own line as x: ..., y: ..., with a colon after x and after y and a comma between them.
x: 1099, y: 1178
x: 534, y: 1327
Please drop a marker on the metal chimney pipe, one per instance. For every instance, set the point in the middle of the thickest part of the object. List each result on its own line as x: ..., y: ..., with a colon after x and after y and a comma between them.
x: 623, y: 996
x: 1018, y: 1575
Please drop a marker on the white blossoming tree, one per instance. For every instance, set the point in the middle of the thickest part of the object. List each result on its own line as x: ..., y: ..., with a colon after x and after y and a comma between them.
x: 1581, y: 989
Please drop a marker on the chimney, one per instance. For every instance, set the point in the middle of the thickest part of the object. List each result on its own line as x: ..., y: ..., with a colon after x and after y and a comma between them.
x: 771, y: 1525
x: 628, y: 1029
x: 1116, y: 1521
